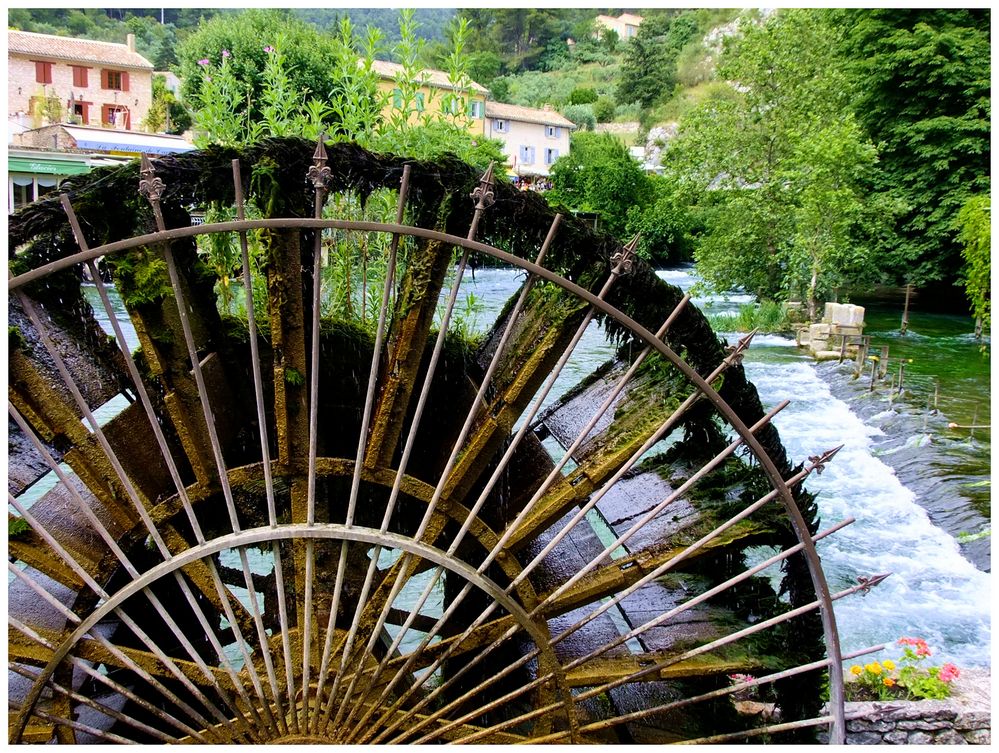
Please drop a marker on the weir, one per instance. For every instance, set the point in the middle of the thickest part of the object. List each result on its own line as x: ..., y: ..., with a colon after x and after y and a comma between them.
x: 348, y: 528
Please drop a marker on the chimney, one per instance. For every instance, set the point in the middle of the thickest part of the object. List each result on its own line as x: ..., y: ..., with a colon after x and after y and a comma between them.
x: 130, y: 42
x: 547, y: 107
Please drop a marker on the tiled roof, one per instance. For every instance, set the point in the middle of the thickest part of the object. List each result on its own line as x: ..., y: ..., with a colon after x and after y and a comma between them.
x: 74, y: 50
x: 526, y: 115
x: 435, y: 78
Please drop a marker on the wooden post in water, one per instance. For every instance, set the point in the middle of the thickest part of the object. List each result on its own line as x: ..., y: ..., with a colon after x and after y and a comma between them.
x: 936, y: 396
x: 842, y: 348
x: 874, y: 373
x: 862, y: 357
x: 905, y: 311
x: 901, y: 375
x: 884, y: 361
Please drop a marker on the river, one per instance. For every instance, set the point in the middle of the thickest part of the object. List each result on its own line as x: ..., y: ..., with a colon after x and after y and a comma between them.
x: 913, y: 485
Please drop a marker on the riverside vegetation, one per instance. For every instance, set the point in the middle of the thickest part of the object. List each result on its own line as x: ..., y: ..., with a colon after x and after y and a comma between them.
x: 815, y: 150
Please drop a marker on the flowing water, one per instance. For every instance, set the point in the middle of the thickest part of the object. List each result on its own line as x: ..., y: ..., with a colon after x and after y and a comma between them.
x: 914, y: 486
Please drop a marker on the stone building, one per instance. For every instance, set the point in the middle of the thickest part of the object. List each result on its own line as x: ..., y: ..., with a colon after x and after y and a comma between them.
x: 532, y: 139
x: 55, y: 79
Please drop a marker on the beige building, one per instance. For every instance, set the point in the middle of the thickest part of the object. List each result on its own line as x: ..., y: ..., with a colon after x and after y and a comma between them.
x: 59, y: 79
x: 532, y: 139
x: 626, y: 25
x: 430, y: 96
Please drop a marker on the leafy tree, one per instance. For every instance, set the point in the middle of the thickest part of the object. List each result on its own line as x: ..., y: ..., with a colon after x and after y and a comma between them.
x: 582, y: 95
x: 166, y: 114
x: 528, y: 38
x: 599, y: 175
x: 665, y: 224
x: 604, y: 108
x: 923, y: 83
x: 975, y: 236
x: 581, y: 115
x: 245, y: 36
x: 649, y: 70
x: 484, y: 67
x: 779, y: 168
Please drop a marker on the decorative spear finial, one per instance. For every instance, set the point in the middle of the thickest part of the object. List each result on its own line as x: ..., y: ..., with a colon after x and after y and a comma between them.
x: 866, y: 583
x: 738, y: 351
x: 319, y: 174
x: 624, y: 260
x: 483, y: 193
x: 149, y: 185
x: 819, y: 461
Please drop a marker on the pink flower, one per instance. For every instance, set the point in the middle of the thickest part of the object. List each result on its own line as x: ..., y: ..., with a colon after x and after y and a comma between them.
x: 226, y: 54
x: 204, y: 61
x: 920, y: 645
x: 268, y: 48
x: 948, y: 672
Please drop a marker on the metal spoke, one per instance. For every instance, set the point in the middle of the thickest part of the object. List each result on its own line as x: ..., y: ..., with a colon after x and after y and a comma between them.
x: 451, y: 622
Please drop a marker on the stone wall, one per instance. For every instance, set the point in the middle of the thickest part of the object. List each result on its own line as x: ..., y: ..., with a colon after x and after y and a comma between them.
x: 962, y: 719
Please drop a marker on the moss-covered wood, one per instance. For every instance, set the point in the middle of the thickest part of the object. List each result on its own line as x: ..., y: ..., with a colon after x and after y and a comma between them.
x: 273, y: 180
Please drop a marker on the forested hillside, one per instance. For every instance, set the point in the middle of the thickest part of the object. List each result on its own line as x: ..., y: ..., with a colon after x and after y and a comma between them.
x: 800, y: 151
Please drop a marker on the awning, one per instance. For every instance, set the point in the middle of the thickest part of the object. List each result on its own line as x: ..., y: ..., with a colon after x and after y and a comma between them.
x: 48, y: 166
x: 128, y: 142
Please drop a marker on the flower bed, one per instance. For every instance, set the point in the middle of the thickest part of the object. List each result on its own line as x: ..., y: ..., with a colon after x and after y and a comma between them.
x: 909, y: 703
x: 908, y: 679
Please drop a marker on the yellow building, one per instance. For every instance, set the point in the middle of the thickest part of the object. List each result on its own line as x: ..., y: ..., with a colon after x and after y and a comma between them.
x: 431, y: 95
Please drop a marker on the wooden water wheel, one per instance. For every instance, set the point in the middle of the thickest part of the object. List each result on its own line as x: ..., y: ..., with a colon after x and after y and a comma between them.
x: 366, y: 527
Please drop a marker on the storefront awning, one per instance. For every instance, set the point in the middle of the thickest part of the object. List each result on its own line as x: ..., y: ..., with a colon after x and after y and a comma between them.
x: 126, y: 142
x: 47, y: 166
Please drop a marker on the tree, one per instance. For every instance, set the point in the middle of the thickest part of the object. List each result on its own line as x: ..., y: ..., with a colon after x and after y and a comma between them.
x: 778, y: 167
x: 664, y: 224
x: 649, y: 69
x: 923, y: 83
x: 166, y: 114
x: 311, y: 56
x: 975, y: 235
x: 581, y: 115
x: 599, y: 175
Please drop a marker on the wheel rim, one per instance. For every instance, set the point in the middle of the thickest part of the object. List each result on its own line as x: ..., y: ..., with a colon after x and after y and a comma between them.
x: 354, y: 684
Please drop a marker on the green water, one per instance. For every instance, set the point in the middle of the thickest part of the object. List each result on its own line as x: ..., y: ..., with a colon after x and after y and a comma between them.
x: 938, y: 349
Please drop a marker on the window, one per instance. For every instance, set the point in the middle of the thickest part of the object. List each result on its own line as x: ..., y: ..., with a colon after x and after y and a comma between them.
x: 420, y: 102
x: 80, y: 77
x: 527, y: 155
x: 116, y: 80
x: 475, y: 108
x: 553, y: 132
x: 43, y: 72
x: 550, y: 156
x: 81, y: 111
x: 500, y: 126
x: 25, y: 189
x: 397, y: 98
x: 22, y: 191
x: 115, y: 116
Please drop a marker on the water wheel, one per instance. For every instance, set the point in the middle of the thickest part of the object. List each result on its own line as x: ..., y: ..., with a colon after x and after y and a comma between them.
x: 367, y: 527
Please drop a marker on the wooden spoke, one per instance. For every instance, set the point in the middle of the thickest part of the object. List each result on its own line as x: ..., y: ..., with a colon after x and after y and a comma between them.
x: 327, y: 514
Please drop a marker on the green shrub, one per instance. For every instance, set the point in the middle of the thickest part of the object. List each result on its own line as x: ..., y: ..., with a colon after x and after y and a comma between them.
x: 582, y: 95
x: 765, y: 316
x: 604, y: 109
x: 581, y: 115
x: 629, y: 111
